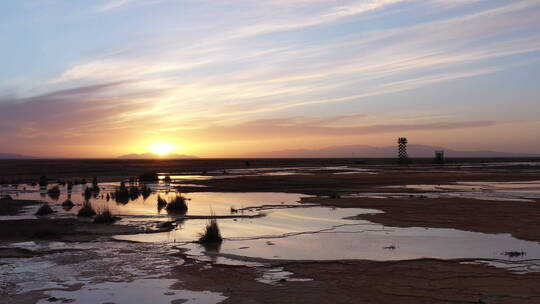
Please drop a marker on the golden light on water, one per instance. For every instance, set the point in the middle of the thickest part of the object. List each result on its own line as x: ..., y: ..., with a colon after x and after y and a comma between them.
x: 161, y: 148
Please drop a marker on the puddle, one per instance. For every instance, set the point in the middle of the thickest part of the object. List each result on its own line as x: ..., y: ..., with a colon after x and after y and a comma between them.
x: 99, y: 272
x: 501, y: 191
x: 143, y: 291
x: 320, y: 233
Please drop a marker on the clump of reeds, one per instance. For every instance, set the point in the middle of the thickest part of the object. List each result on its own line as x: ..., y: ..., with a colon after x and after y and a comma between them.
x: 43, y: 181
x: 88, y: 193
x: 334, y: 195
x: 167, y: 179
x: 86, y: 210
x: 515, y: 253
x: 149, y: 177
x: 134, y: 192
x: 105, y: 217
x: 121, y: 195
x: 54, y: 192
x: 234, y: 210
x: 177, y: 205
x: 68, y: 203
x: 211, y: 233
x: 45, y: 209
x: 161, y: 203
x: 95, y: 185
x: 146, y: 191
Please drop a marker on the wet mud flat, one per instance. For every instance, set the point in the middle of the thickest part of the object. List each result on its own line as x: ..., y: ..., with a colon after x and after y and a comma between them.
x: 360, y: 234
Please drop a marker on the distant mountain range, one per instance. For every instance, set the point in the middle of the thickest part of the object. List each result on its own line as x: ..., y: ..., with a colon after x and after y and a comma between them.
x: 155, y: 156
x: 328, y: 152
x: 14, y: 156
x: 382, y: 152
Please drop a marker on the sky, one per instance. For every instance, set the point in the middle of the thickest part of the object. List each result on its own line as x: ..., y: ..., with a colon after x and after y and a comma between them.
x: 227, y: 78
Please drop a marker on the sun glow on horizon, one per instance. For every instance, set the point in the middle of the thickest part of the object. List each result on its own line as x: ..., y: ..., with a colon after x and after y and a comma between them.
x: 161, y: 148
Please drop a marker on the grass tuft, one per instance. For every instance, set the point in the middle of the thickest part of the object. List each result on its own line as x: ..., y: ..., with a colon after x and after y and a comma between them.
x: 161, y: 203
x: 149, y: 177
x: 105, y: 217
x: 45, y: 209
x: 211, y: 233
x: 146, y: 191
x: 177, y: 205
x: 514, y: 253
x: 87, y: 210
x: 54, y: 192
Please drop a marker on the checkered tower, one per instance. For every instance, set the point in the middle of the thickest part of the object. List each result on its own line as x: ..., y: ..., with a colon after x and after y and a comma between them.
x: 402, y: 150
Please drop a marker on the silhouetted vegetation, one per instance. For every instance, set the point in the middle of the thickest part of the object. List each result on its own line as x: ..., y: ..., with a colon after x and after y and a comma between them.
x: 54, y: 192
x: 87, y: 210
x: 105, y: 217
x: 69, y: 185
x: 514, y: 253
x: 43, y: 181
x: 177, y: 205
x: 88, y: 193
x: 45, y: 209
x: 134, y: 192
x: 149, y: 177
x: 211, y: 233
x: 121, y: 195
x: 146, y: 191
x: 167, y: 179
x: 95, y: 185
x: 68, y: 204
x: 161, y: 203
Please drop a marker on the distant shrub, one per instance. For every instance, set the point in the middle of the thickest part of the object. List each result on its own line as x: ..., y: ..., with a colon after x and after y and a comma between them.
x: 43, y: 181
x: 45, y: 209
x: 68, y: 203
x: 87, y: 210
x: 95, y: 185
x: 211, y: 233
x: 177, y: 205
x: 54, y: 192
x: 121, y: 195
x: 149, y: 177
x: 134, y: 192
x: 514, y: 253
x: 146, y: 191
x: 167, y: 179
x: 161, y: 203
x: 88, y: 193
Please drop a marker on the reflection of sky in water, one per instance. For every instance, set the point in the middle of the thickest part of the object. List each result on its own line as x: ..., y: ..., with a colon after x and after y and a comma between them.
x: 500, y: 191
x: 319, y: 233
x: 293, y: 231
x: 143, y: 291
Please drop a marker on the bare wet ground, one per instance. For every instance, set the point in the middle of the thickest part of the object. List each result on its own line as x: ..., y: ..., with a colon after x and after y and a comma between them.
x: 416, y: 281
x: 84, y: 270
x: 521, y: 219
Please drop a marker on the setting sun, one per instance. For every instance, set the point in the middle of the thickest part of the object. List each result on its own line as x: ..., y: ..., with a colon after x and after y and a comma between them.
x: 161, y: 148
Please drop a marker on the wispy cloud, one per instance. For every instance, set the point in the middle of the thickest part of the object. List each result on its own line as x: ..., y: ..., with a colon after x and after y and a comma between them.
x: 221, y: 67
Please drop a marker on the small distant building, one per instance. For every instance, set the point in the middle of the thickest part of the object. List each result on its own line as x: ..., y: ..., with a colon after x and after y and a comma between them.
x: 439, y: 157
x: 402, y: 150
